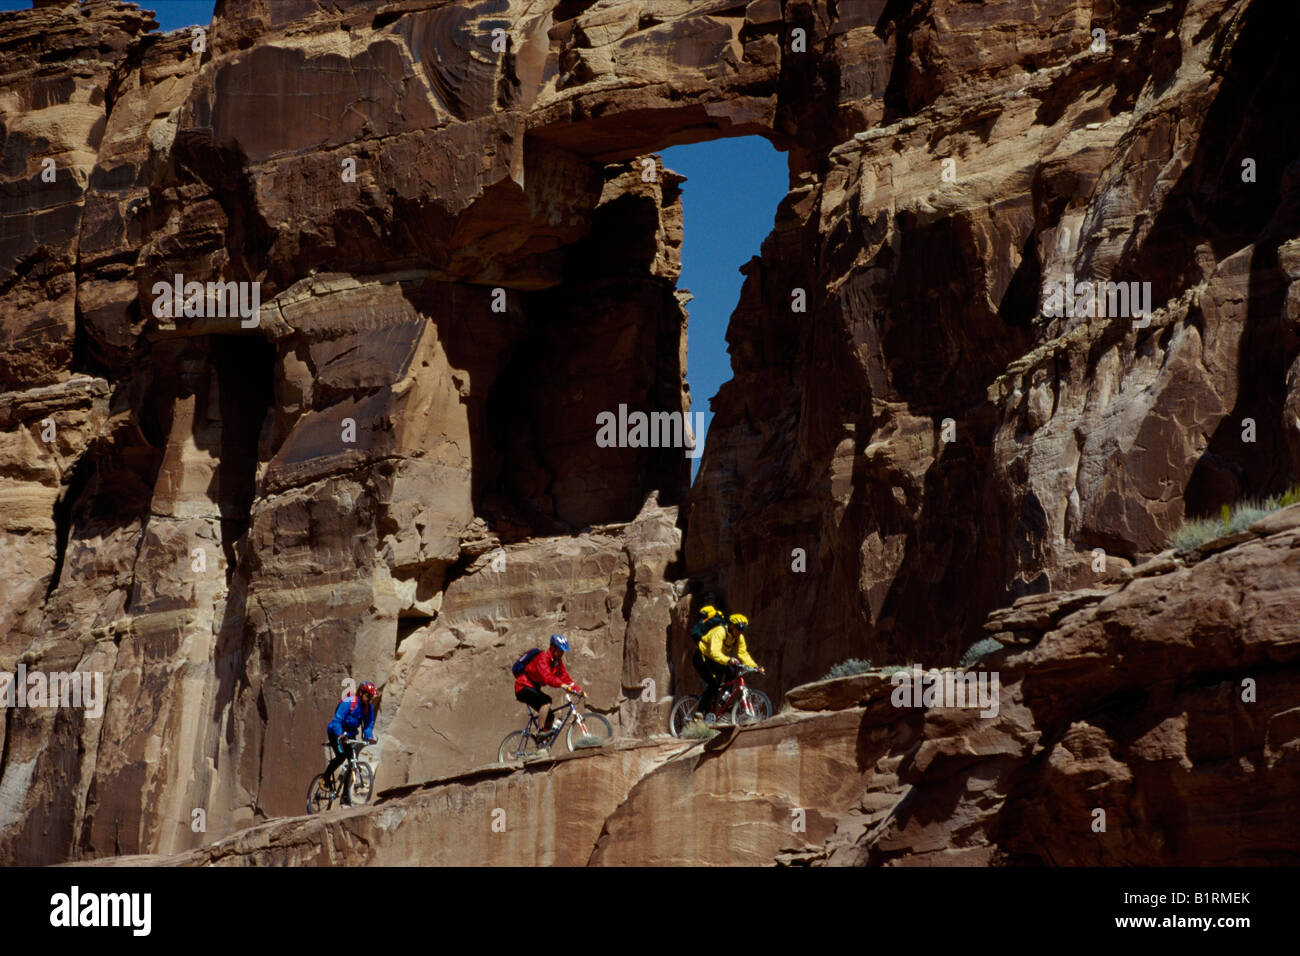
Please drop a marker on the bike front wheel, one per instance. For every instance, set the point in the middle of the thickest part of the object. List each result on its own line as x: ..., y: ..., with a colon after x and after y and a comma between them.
x: 361, y: 784
x: 516, y: 746
x: 759, y: 709
x: 683, y: 710
x: 587, y: 725
x: 318, y: 797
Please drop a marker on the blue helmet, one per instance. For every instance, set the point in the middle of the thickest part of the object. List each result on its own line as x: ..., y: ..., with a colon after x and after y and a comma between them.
x: 557, y: 640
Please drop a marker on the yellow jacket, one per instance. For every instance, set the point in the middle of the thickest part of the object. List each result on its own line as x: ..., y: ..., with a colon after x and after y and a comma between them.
x: 718, y: 645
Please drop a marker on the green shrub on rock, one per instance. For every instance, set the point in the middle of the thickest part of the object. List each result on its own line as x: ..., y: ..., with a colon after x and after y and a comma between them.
x: 980, y: 649
x: 850, y: 668
x: 1231, y: 520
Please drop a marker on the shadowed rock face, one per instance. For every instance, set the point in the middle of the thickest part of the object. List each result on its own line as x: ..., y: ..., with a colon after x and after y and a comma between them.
x: 464, y: 253
x: 1167, y: 744
x: 1068, y: 434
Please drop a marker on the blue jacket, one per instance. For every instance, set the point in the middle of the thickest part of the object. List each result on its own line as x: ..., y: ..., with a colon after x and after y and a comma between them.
x: 348, y: 717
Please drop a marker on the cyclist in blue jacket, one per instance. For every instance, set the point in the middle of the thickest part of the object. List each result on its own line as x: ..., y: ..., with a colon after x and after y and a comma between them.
x: 352, y: 713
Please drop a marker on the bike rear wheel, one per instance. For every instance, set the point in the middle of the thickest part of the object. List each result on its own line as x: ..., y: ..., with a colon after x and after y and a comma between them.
x: 760, y: 708
x: 681, y: 715
x: 318, y: 797
x: 517, y: 746
x: 596, y: 726
x: 361, y: 784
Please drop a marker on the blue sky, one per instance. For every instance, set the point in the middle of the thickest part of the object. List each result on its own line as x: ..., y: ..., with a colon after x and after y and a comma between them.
x: 729, y: 202
x: 170, y: 14
x: 729, y: 199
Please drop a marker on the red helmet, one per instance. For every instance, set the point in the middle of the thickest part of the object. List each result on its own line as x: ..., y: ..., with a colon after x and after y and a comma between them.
x: 367, y: 688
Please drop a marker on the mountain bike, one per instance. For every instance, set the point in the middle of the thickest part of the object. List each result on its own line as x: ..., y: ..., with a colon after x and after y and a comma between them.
x: 526, y: 742
x: 357, y: 777
x: 747, y: 706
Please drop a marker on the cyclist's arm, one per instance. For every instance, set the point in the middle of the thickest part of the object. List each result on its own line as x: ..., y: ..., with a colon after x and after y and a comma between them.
x: 742, y: 653
x: 369, y: 733
x: 569, y: 682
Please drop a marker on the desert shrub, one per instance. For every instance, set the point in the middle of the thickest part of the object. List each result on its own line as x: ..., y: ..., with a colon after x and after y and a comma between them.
x: 894, y: 669
x: 1232, y: 519
x: 1195, y: 533
x: 587, y: 740
x: 978, y: 650
x: 1246, y: 515
x: 850, y: 668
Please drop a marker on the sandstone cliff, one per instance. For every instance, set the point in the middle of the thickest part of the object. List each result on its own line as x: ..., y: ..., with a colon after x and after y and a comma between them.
x: 1109, y: 700
x: 461, y: 262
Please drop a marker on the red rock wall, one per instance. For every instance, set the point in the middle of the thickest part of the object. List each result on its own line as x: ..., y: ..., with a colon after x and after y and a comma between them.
x: 1069, y: 434
x: 1146, y: 723
x: 380, y: 313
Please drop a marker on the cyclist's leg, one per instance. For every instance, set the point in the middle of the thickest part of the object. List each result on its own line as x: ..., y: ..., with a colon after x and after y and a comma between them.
x: 701, y: 668
x: 340, y: 755
x: 546, y: 717
x: 546, y: 713
x: 727, y: 675
x: 720, y: 676
x: 345, y: 783
x: 541, y: 703
x: 711, y: 674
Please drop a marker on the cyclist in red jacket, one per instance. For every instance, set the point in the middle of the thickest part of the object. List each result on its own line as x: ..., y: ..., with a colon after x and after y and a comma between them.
x: 545, y: 670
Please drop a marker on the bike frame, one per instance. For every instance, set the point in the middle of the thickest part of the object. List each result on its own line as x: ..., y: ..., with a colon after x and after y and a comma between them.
x: 727, y: 691
x: 354, y: 752
x: 570, y: 712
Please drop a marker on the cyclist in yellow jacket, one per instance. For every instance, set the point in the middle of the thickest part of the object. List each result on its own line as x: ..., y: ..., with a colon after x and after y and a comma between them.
x: 721, y: 648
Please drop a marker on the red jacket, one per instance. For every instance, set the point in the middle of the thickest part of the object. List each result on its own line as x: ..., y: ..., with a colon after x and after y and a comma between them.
x: 540, y: 672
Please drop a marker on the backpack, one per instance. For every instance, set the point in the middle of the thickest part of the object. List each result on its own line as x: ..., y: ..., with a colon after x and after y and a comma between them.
x: 706, y: 625
x: 521, y: 662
